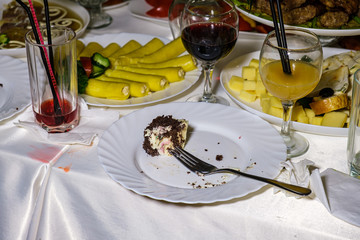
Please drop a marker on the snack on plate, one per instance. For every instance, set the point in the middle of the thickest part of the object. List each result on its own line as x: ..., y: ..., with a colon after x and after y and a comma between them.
x: 327, y: 105
x: 132, y: 70
x: 163, y: 134
x: 330, y: 104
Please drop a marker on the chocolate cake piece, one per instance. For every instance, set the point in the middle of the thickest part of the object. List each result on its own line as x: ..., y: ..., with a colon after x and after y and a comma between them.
x: 164, y: 133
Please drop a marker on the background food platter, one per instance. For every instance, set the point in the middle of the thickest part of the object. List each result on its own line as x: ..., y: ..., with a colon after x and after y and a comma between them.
x: 173, y: 90
x: 80, y: 12
x: 234, y: 68
x: 320, y: 32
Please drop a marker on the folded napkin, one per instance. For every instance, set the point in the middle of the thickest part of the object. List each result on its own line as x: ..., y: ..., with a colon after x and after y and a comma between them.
x: 339, y: 192
x: 296, y: 173
x: 92, y: 123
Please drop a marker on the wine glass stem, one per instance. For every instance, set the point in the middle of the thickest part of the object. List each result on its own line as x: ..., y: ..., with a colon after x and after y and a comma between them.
x: 207, y: 95
x: 285, y: 126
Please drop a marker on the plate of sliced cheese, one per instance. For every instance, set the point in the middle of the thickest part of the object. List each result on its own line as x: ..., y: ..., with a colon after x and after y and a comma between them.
x: 324, y: 111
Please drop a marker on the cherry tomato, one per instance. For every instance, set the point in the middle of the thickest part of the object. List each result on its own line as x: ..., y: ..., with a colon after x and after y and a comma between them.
x: 87, y: 65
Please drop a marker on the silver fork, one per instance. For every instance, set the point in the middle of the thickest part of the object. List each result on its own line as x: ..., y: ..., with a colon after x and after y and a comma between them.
x: 198, y: 166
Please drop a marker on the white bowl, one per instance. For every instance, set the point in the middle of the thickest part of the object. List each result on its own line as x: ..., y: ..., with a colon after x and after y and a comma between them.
x: 80, y: 11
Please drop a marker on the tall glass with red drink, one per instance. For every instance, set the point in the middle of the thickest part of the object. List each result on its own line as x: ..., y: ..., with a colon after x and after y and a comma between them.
x: 53, y: 78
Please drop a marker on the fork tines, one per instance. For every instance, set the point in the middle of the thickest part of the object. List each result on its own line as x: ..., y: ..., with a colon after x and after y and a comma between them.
x: 191, y: 162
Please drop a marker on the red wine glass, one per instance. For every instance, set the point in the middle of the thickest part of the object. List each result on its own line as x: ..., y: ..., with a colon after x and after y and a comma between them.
x: 209, y: 31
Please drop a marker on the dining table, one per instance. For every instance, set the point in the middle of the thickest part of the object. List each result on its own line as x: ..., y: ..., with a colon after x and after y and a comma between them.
x: 54, y: 190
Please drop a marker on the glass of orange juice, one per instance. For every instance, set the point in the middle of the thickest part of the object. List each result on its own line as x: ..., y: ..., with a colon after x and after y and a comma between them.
x: 304, y: 56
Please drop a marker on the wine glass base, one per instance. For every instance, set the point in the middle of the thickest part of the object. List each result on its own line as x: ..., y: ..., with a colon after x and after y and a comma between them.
x: 213, y: 99
x: 299, y: 146
x: 99, y: 20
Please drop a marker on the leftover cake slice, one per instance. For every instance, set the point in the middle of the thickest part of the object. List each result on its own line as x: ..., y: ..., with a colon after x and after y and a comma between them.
x: 163, y: 134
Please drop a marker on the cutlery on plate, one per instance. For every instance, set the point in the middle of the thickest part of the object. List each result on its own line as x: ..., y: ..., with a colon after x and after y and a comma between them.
x: 198, y: 166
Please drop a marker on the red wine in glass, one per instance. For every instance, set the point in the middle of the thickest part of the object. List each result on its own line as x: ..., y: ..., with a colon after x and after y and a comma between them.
x: 53, y: 122
x: 209, y: 42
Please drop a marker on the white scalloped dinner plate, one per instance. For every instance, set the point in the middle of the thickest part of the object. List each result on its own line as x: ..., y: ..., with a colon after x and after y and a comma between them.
x: 15, y: 89
x: 234, y: 68
x: 244, y: 140
x: 318, y: 31
x: 173, y: 90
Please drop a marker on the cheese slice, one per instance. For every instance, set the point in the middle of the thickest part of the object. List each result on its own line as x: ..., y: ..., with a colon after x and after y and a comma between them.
x: 336, y: 79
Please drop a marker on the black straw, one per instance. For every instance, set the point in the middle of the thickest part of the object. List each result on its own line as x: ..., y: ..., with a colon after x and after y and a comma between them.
x: 57, y: 107
x: 48, y: 29
x: 280, y: 35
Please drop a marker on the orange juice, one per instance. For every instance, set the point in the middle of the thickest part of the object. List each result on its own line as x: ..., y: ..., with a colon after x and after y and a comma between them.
x: 303, y: 79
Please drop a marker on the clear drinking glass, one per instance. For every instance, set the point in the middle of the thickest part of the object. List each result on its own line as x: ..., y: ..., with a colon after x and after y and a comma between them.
x: 209, y: 31
x: 53, y: 79
x: 353, y: 148
x: 175, y: 10
x: 305, y: 56
x: 98, y: 18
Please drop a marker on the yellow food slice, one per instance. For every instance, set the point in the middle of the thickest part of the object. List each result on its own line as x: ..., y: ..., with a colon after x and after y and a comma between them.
x: 79, y: 47
x: 187, y: 62
x: 236, y: 83
x: 137, y: 89
x: 172, y: 74
x: 130, y: 46
x: 169, y: 51
x: 247, y: 96
x: 249, y: 85
x: 277, y: 112
x: 254, y: 63
x: 260, y: 88
x: 316, y: 121
x: 90, y: 49
x: 330, y: 104
x: 110, y: 90
x: 155, y: 83
x: 132, y: 57
x: 334, y: 119
x: 275, y: 102
x: 110, y: 49
x: 249, y: 73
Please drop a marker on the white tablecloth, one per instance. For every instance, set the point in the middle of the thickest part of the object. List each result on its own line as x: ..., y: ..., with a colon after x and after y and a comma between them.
x: 50, y: 191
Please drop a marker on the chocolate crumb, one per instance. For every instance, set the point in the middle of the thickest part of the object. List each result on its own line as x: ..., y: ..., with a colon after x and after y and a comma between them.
x: 218, y: 142
x: 205, y: 150
x: 219, y: 157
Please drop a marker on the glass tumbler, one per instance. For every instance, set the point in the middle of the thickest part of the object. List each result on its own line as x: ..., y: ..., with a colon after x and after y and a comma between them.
x: 53, y: 78
x: 353, y: 147
x: 98, y: 18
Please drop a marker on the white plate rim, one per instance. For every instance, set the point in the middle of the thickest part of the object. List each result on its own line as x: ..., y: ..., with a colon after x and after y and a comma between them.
x: 15, y: 80
x: 122, y: 4
x: 118, y: 155
x: 172, y: 91
x: 138, y: 8
x: 75, y: 7
x: 234, y: 67
x: 320, y: 32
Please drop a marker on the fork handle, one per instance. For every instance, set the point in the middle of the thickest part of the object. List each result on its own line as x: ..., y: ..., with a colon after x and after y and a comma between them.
x: 289, y: 187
